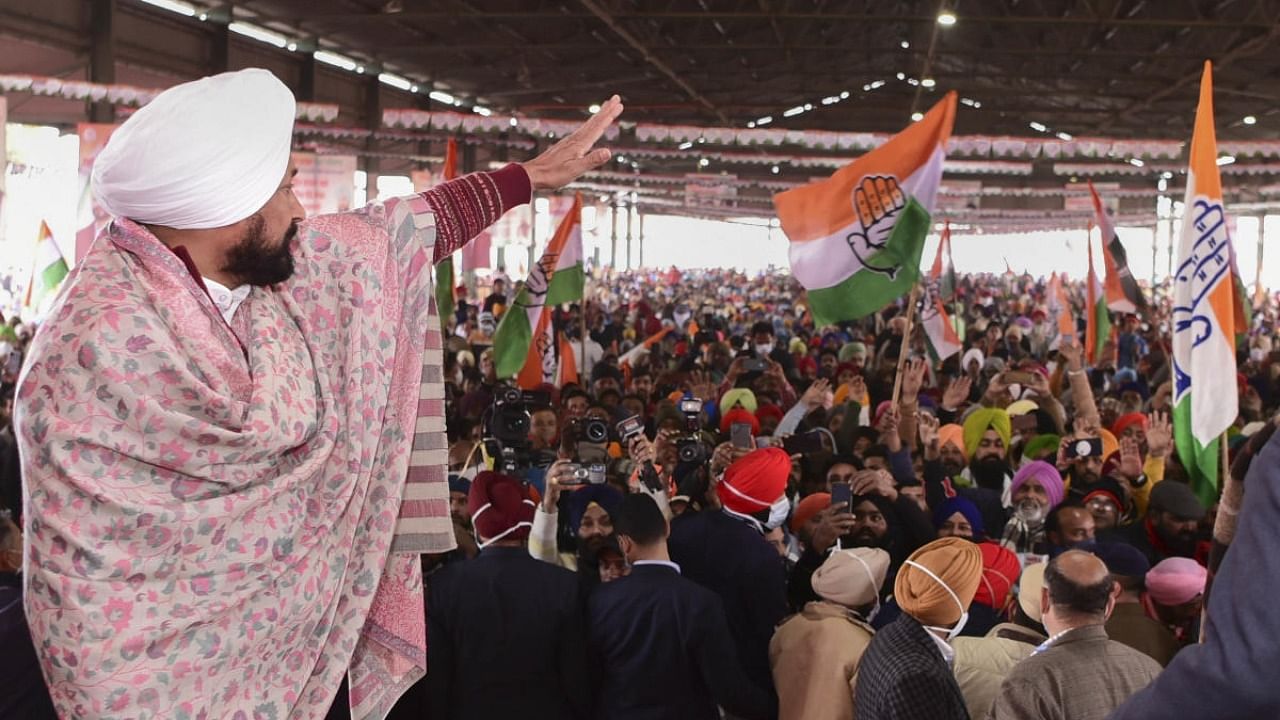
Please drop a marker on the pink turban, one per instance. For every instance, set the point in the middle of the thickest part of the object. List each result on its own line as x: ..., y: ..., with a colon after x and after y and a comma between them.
x: 1044, y: 473
x: 1176, y: 581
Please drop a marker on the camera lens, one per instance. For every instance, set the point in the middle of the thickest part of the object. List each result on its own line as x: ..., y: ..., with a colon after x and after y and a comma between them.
x: 595, y: 431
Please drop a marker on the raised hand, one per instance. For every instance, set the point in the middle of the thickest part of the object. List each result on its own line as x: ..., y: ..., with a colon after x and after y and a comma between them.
x: 927, y: 427
x: 1130, y: 458
x: 957, y: 393
x: 573, y: 156
x: 816, y: 395
x: 877, y: 200
x: 1159, y: 435
x: 1073, y: 352
x: 913, y: 379
x: 875, y: 482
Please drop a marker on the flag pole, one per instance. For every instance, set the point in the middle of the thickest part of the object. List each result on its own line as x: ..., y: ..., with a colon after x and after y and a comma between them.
x: 906, y: 342
x: 1224, y: 527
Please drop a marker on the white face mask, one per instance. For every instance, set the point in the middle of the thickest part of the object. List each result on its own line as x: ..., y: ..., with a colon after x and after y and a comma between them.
x: 1257, y: 354
x: 875, y: 588
x: 778, y: 513
x: 764, y: 350
x: 964, y: 611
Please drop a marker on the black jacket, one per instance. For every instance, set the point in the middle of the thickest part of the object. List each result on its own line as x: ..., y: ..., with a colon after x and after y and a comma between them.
x: 505, y: 638
x: 732, y: 559
x: 664, y: 649
x: 904, y: 676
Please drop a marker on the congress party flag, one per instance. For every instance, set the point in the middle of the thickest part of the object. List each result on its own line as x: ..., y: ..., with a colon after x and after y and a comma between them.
x: 1060, y: 313
x: 1097, y: 317
x: 48, y: 270
x: 938, y: 328
x: 856, y: 237
x: 525, y: 343
x: 1205, y: 399
x: 1123, y: 293
x: 444, y: 269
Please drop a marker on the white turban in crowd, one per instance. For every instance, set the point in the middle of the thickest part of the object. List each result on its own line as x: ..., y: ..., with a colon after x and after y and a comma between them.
x: 203, y: 154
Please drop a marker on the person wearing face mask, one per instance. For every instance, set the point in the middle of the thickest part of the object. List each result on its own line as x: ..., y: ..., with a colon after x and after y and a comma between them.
x: 660, y: 640
x: 764, y: 347
x: 724, y: 550
x: 815, y: 653
x: 507, y: 637
x: 906, y: 672
x: 1036, y: 490
x: 1078, y: 673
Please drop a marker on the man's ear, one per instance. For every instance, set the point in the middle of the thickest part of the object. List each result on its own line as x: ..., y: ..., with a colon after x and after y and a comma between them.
x: 1045, y: 604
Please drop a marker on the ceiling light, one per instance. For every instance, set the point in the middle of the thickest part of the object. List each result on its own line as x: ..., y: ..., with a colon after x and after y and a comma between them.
x: 1136, y: 162
x: 336, y: 60
x: 260, y: 34
x: 622, y: 159
x: 792, y: 112
x: 913, y: 81
x: 482, y: 111
x: 775, y: 169
x: 808, y: 106
x: 395, y: 81
x: 1166, y: 175
x: 751, y: 123
x: 291, y: 47
x: 1065, y: 137
x: 866, y: 88
x: 173, y: 6
x: 970, y: 102
x: 514, y: 122
x: 764, y: 120
x: 844, y: 95
x: 902, y: 76
x: 1249, y: 120
x: 701, y: 140
x: 1162, y: 185
x: 704, y: 162
x: 1038, y: 127
x: 686, y: 145
x: 1226, y: 160
x: 360, y: 69
x: 442, y: 97
x: 413, y: 88
x: 917, y: 116
x: 906, y: 45
x: 946, y: 18
x: 593, y: 109
x: 928, y: 82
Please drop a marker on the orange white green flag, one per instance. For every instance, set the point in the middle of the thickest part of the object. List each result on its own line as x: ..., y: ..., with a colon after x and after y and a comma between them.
x: 524, y: 345
x: 1205, y: 400
x: 1060, y: 313
x: 938, y: 328
x: 856, y: 237
x: 1097, y: 317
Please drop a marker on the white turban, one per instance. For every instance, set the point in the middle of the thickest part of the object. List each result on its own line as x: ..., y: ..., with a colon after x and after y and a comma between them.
x: 852, y: 578
x: 204, y: 154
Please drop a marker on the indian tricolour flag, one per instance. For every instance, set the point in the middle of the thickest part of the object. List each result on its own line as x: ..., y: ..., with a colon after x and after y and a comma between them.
x: 444, y: 268
x: 856, y: 237
x: 48, y: 270
x: 1205, y: 400
x: 525, y: 344
x: 1060, y: 313
x: 1122, y: 291
x: 938, y: 328
x: 1097, y: 317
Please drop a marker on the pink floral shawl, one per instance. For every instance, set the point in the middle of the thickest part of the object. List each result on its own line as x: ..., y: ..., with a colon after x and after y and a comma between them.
x: 211, y: 512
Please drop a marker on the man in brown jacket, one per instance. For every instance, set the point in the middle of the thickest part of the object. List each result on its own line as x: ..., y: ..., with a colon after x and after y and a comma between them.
x: 1078, y: 674
x: 983, y: 663
x: 815, y: 653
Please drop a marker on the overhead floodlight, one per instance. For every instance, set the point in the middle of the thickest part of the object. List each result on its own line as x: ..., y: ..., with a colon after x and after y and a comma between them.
x: 764, y: 120
x: 913, y: 81
x: 775, y: 169
x: 844, y: 95
x: 751, y: 123
x: 902, y: 76
x: 336, y: 60
x: 1065, y: 137
x: 946, y: 18
x: 906, y: 45
x: 970, y: 102
x: 928, y: 82
x: 792, y: 112
x: 1250, y: 120
x: 593, y: 109
x: 514, y: 122
x: 917, y: 116
x: 1226, y: 160
x: 481, y: 111
x: 704, y: 162
x: 1136, y: 162
x: 396, y: 81
x: 1038, y: 127
x: 442, y: 97
x: 1166, y: 175
x: 173, y: 6
x: 686, y: 145
x: 258, y: 33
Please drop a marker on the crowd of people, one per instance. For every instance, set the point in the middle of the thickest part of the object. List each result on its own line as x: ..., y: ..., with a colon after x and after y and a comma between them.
x: 1014, y: 537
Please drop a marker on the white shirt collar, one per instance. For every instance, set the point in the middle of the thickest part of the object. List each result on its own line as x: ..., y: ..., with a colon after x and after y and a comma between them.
x: 227, y: 301
x: 667, y: 563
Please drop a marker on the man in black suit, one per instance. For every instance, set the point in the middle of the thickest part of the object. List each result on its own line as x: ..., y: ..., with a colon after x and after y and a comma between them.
x: 660, y: 640
x: 505, y: 636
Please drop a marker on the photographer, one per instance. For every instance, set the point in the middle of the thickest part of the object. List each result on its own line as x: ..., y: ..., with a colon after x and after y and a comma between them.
x: 589, y: 507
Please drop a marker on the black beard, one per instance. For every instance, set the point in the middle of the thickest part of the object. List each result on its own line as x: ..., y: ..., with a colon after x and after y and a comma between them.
x: 1084, y: 478
x: 1182, y: 544
x: 990, y: 473
x: 952, y: 469
x: 591, y: 546
x: 254, y: 261
x: 861, y: 538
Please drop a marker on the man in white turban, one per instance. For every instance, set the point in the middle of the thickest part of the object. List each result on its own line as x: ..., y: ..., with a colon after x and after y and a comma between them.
x: 815, y: 653
x: 232, y: 425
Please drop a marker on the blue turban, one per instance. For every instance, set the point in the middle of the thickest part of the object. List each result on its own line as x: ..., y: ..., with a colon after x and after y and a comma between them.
x: 963, y: 506
x: 603, y: 495
x: 459, y: 484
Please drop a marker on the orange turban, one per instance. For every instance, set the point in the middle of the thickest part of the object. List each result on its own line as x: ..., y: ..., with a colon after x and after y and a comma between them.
x: 956, y: 562
x: 954, y: 435
x: 808, y: 507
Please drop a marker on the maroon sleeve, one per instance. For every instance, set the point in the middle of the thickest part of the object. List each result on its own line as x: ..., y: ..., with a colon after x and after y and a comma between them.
x: 466, y: 206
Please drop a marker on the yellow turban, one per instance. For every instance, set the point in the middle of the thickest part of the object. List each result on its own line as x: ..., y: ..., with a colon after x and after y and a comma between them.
x: 958, y: 563
x: 980, y: 421
x: 735, y: 396
x: 952, y: 435
x: 1022, y: 407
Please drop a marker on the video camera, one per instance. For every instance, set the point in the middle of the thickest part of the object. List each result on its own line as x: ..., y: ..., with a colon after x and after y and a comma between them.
x: 506, y: 427
x: 689, y: 446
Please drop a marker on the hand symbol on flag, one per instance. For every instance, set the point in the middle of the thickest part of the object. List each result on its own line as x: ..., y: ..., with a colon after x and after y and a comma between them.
x: 877, y: 200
